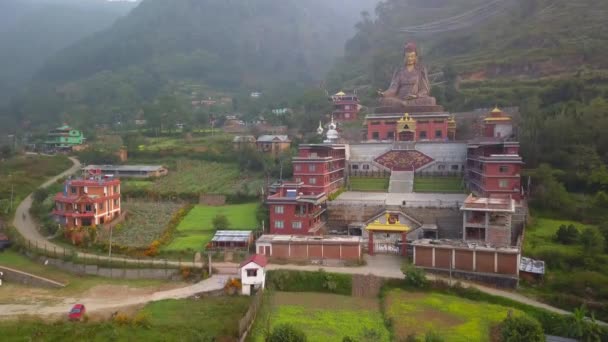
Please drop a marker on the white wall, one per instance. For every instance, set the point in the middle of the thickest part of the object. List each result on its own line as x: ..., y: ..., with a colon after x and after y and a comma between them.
x: 258, y: 281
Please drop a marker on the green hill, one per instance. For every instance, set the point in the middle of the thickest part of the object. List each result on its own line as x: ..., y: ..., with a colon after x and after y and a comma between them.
x: 519, y: 39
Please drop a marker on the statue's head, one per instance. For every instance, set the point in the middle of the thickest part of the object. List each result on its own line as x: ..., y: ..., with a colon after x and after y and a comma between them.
x: 410, y: 54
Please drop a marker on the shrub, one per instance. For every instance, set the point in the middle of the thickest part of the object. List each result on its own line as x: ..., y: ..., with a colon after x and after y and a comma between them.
x: 414, y: 276
x: 320, y: 281
x: 141, y: 320
x: 432, y: 336
x: 286, y: 333
x: 567, y: 235
x: 592, y: 241
x: 220, y: 222
x: 521, y: 329
x: 122, y: 318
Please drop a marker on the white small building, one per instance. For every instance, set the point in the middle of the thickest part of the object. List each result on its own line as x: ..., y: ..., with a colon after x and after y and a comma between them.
x: 253, y: 275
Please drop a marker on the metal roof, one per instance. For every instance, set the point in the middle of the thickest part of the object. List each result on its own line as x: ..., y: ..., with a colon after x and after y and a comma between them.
x: 532, y: 266
x: 271, y: 138
x: 232, y: 236
x: 125, y: 168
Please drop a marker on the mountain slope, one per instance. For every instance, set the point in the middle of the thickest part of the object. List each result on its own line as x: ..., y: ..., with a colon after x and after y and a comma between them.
x: 524, y: 38
x: 33, y: 30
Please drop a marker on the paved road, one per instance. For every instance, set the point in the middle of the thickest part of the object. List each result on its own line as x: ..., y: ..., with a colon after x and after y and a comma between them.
x: 401, y: 182
x: 97, y: 303
x: 26, y: 226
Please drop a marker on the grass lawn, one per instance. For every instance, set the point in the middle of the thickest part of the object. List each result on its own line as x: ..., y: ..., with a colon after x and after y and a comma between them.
x: 194, y: 177
x: 453, y: 318
x: 438, y: 184
x: 75, y: 284
x: 146, y: 222
x: 196, y: 229
x: 540, y: 238
x: 24, y: 174
x: 368, y: 184
x: 324, y: 317
x: 208, y: 319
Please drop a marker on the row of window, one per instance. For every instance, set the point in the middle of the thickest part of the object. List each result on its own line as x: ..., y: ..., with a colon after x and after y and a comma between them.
x: 421, y: 135
x: 311, y: 181
x: 420, y: 122
x: 452, y: 167
x: 356, y: 167
x: 278, y: 224
x: 311, y: 168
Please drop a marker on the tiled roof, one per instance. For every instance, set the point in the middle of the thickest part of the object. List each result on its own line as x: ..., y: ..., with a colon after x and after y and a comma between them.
x: 258, y: 259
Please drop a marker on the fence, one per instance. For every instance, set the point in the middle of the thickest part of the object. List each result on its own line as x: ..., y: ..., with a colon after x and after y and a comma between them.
x: 247, y: 321
x: 459, y: 174
x: 370, y: 173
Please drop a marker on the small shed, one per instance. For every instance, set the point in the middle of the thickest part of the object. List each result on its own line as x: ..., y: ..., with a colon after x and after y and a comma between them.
x: 531, y: 270
x: 231, y: 239
x: 253, y: 274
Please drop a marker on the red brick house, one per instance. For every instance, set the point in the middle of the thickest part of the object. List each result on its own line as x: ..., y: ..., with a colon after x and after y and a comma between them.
x: 345, y: 106
x: 88, y: 201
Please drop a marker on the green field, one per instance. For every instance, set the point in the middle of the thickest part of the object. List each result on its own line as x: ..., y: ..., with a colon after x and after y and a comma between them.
x: 453, y: 318
x: 368, y: 184
x: 196, y: 177
x: 146, y: 222
x: 208, y: 319
x: 540, y: 238
x: 22, y: 175
x: 75, y: 284
x: 324, y: 317
x: 438, y: 184
x: 196, y: 229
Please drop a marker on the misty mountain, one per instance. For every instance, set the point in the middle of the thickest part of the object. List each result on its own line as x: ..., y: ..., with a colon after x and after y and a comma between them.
x: 514, y: 39
x: 33, y: 30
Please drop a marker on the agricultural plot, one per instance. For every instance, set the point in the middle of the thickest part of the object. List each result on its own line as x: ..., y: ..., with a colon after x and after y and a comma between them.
x: 196, y: 229
x: 438, y: 184
x: 324, y: 317
x: 195, y: 177
x: 453, y: 318
x: 368, y: 184
x: 146, y: 222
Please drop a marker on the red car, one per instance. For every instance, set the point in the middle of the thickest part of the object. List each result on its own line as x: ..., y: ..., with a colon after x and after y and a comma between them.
x: 77, y: 312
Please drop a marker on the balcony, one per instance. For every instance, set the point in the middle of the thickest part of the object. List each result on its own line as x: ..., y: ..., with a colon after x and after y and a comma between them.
x: 82, y: 214
x: 312, y: 214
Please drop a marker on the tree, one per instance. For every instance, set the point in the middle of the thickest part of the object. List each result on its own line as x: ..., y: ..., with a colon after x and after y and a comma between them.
x: 220, y: 222
x: 286, y: 333
x: 592, y: 241
x: 521, y: 329
x: 414, y: 276
x: 567, y: 234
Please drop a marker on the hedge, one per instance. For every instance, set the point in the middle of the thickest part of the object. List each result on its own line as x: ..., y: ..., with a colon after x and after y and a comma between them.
x: 318, y: 281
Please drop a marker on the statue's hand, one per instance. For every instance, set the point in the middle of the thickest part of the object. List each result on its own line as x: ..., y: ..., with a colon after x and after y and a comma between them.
x: 412, y: 96
x: 380, y: 93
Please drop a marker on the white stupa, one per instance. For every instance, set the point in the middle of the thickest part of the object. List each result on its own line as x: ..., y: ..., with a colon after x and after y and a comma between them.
x: 332, y: 134
x: 320, y: 129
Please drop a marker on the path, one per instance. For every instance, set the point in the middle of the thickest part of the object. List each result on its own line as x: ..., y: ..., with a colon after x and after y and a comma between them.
x: 98, y: 303
x: 401, y: 182
x: 26, y: 226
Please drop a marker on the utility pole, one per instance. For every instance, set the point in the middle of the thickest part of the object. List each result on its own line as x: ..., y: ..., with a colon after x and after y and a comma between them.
x: 110, y: 249
x: 12, y: 190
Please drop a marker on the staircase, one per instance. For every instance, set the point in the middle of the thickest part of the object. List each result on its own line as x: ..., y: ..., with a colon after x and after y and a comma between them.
x: 401, y: 182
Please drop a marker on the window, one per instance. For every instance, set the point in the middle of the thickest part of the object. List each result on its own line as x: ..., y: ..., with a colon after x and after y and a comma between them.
x: 298, y: 179
x: 252, y: 273
x: 297, y: 167
x: 455, y: 167
x: 390, y: 122
x: 503, y: 183
x: 441, y: 167
x: 347, y: 115
x: 423, y: 135
x: 73, y: 190
x: 503, y: 168
x: 365, y: 167
x: 438, y: 134
x: 354, y: 167
x: 390, y: 135
x: 312, y: 168
x: 375, y: 123
x: 279, y: 224
x: 347, y: 107
x: 116, y: 201
x: 296, y: 225
x: 101, y: 206
x: 438, y: 121
x: 115, y: 189
x: 312, y: 181
x: 279, y: 209
x: 375, y: 135
x: 88, y: 207
x: 422, y: 122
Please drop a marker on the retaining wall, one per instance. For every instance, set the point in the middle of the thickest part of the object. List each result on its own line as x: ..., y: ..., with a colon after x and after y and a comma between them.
x: 11, y: 275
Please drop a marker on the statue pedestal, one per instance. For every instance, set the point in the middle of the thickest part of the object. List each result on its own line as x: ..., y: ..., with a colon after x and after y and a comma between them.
x: 409, y: 109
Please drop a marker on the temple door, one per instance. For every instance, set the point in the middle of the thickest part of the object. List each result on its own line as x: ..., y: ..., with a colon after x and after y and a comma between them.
x: 406, y: 136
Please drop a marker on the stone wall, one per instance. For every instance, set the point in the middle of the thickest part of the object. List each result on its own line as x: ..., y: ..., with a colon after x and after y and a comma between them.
x: 117, y: 273
x: 14, y: 276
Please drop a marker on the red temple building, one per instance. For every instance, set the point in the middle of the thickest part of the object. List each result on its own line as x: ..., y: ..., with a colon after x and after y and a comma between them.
x: 88, y: 201
x: 296, y: 207
x: 493, y: 161
x: 430, y: 126
x: 346, y: 106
